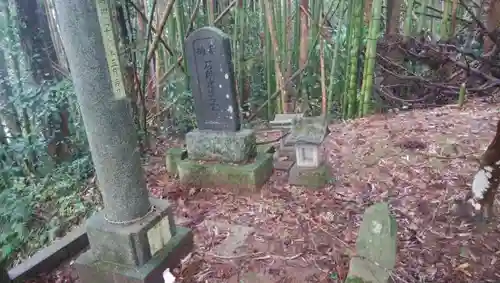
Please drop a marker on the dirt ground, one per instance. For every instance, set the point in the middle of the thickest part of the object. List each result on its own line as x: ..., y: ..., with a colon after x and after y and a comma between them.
x: 421, y: 162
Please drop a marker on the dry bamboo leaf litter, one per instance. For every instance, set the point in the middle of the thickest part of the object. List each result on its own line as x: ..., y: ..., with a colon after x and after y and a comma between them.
x: 308, y: 235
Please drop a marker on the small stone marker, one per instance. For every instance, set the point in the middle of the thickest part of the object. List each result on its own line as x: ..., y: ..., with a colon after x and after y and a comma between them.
x: 208, y: 55
x: 309, y: 134
x: 310, y: 169
x: 375, y: 247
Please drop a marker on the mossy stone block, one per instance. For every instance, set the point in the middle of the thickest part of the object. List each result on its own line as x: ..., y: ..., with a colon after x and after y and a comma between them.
x: 250, y: 176
x: 376, y: 245
x: 235, y: 147
x: 172, y: 158
x: 309, y: 177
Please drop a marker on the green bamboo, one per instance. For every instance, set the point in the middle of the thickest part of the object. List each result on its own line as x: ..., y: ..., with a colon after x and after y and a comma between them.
x: 407, y: 26
x: 371, y: 55
x: 350, y: 27
x: 356, y: 22
x: 461, y: 96
x: 422, y: 17
x: 446, y: 23
x: 334, y: 66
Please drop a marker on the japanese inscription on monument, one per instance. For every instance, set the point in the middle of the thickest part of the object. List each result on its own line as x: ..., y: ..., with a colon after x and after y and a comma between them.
x: 109, y: 39
x: 208, y: 55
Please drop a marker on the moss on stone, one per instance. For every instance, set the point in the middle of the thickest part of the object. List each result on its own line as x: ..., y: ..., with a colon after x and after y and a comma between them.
x: 235, y: 147
x: 249, y: 176
x: 312, y: 178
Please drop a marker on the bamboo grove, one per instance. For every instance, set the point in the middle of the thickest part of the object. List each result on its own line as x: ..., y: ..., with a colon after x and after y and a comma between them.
x: 293, y: 55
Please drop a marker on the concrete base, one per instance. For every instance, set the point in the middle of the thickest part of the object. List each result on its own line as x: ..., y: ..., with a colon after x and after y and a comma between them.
x: 234, y: 147
x: 250, y: 176
x: 134, y: 244
x: 312, y: 178
x: 91, y: 270
x: 283, y: 165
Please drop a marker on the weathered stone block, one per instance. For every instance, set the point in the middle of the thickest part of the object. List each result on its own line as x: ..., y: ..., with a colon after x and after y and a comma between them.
x: 173, y: 156
x: 285, y: 121
x: 92, y: 270
x: 249, y: 176
x: 133, y: 244
x: 309, y: 177
x: 375, y: 247
x: 235, y: 147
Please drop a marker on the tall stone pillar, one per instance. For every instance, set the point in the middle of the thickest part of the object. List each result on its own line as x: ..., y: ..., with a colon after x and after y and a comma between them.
x: 134, y: 238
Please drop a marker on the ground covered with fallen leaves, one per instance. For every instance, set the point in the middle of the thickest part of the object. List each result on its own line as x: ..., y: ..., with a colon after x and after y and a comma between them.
x: 421, y: 162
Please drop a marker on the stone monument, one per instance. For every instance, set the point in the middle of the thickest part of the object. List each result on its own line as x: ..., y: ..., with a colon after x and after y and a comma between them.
x: 376, y: 247
x: 134, y: 238
x: 310, y: 168
x: 219, y: 152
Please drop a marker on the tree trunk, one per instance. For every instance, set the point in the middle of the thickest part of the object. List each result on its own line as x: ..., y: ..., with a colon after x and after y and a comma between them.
x: 393, y: 16
x: 492, y: 22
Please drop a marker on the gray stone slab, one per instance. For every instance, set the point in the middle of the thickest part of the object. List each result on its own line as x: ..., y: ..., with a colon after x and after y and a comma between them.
x: 376, y: 246
x: 283, y: 165
x: 51, y: 257
x: 91, y: 270
x: 237, y: 237
x: 208, y: 56
x: 129, y: 244
x: 285, y: 120
x: 234, y: 147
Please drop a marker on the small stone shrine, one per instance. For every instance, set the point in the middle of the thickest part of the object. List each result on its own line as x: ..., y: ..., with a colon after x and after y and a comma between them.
x: 309, y: 169
x: 219, y: 152
x: 285, y: 157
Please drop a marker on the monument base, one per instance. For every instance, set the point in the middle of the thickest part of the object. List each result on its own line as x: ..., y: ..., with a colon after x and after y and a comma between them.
x: 250, y: 176
x: 91, y: 270
x: 312, y: 178
x: 132, y: 244
x: 234, y: 147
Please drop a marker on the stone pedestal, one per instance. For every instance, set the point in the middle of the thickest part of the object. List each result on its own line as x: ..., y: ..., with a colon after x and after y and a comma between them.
x: 250, y: 176
x: 92, y: 270
x: 137, y: 252
x: 309, y: 177
x: 224, y: 159
x: 234, y: 147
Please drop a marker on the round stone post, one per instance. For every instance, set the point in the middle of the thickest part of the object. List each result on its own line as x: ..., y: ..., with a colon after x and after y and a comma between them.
x: 134, y: 239
x: 108, y: 121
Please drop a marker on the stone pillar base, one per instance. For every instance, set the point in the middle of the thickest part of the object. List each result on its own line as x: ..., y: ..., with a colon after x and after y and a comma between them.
x: 92, y: 270
x: 133, y: 244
